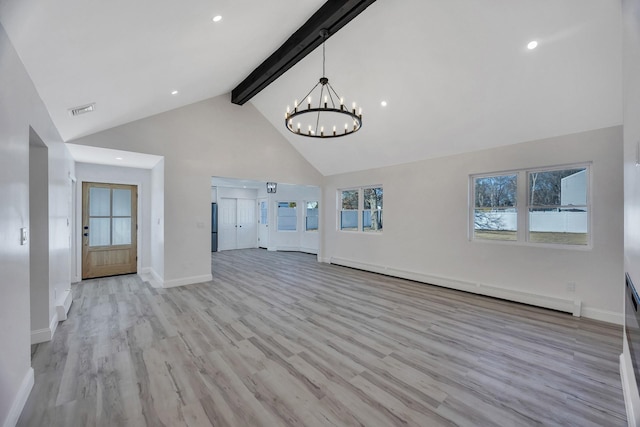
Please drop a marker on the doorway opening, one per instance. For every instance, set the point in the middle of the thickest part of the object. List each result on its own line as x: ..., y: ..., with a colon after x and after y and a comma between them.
x: 37, y: 237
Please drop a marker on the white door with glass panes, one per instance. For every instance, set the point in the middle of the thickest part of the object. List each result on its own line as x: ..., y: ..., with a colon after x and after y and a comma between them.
x: 263, y: 223
x: 237, y: 227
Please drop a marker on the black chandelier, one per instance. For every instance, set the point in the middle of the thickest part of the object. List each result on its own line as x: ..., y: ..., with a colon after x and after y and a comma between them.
x: 325, y: 120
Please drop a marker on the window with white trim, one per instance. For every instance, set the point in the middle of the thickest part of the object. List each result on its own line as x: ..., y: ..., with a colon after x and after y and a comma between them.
x: 360, y: 209
x: 555, y: 209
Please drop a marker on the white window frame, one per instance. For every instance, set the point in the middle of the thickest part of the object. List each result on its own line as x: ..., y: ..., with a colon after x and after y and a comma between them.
x: 523, y: 205
x: 360, y: 210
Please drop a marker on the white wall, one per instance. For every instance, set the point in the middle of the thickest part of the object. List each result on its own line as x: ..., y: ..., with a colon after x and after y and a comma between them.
x: 86, y: 172
x: 299, y: 240
x: 631, y: 86
x: 425, y: 233
x: 20, y: 108
x: 209, y: 138
x: 157, y: 223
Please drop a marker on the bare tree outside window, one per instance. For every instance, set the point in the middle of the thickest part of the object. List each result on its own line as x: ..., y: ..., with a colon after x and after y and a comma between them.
x: 494, y: 214
x: 372, y: 213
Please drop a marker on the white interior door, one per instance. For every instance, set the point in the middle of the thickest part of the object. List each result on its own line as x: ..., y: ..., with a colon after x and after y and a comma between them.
x: 227, y: 217
x: 263, y: 223
x: 247, y: 230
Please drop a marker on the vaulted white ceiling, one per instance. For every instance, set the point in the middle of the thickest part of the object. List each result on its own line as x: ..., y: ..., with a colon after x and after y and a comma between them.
x: 456, y: 74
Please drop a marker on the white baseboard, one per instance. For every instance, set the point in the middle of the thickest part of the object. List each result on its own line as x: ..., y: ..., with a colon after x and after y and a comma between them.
x: 603, y: 315
x: 313, y: 251
x: 187, y: 281
x: 21, y: 399
x: 554, y: 303
x: 288, y: 248
x: 148, y: 274
x: 62, y: 309
x: 324, y: 260
x: 46, y: 334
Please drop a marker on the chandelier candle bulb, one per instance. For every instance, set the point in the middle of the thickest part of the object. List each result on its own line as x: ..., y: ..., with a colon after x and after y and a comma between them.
x: 354, y: 107
x: 298, y: 127
x: 309, y: 103
x: 322, y: 131
x: 325, y: 101
x: 334, y: 131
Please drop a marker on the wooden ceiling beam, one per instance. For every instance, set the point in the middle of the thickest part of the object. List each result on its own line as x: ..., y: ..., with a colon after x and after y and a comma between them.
x: 332, y: 16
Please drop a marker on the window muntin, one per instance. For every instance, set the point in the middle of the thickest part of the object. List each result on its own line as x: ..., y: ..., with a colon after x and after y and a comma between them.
x: 495, y: 215
x: 558, y: 206
x: 311, y: 216
x: 287, y: 216
x: 349, y: 203
x: 372, y: 209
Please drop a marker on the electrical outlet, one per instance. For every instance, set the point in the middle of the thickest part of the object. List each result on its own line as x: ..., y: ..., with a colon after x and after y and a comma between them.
x: 571, y: 286
x: 23, y: 236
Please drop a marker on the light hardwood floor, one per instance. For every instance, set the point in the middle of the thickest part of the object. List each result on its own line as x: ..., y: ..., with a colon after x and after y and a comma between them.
x: 279, y: 339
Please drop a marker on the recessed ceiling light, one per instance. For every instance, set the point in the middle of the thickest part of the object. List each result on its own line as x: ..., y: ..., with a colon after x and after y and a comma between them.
x: 532, y: 45
x: 119, y: 158
x: 174, y: 92
x: 383, y: 103
x: 82, y: 109
x: 217, y: 18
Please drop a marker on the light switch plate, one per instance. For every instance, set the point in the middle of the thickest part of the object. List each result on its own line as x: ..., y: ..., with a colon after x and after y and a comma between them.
x: 23, y: 236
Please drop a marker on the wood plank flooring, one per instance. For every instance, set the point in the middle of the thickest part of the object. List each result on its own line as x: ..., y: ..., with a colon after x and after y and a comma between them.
x: 277, y: 339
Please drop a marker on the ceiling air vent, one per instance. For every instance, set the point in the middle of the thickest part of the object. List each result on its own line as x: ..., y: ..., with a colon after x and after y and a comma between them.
x: 82, y: 109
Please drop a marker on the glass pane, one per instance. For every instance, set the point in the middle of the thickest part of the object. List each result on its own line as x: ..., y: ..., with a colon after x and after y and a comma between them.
x: 287, y: 216
x: 99, y: 231
x: 564, y: 226
x: 99, y: 201
x: 350, y: 200
x: 311, y: 222
x: 558, y: 188
x: 121, y: 231
x: 495, y: 224
x: 263, y: 212
x: 121, y: 202
x: 349, y: 220
x: 372, y: 220
x: 372, y: 198
x: 495, y: 191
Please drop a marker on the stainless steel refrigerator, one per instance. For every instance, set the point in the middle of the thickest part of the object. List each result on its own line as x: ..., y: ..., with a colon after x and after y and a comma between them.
x: 214, y: 227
